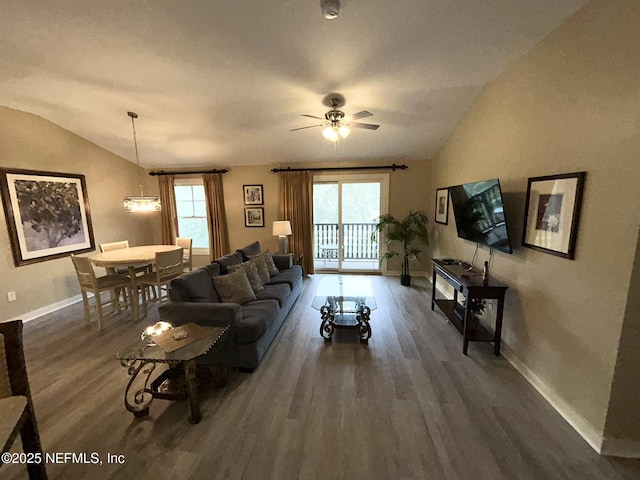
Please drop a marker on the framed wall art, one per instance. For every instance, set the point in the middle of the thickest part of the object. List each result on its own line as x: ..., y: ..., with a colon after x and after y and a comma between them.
x: 47, y: 214
x: 254, y: 217
x: 552, y: 212
x: 253, y: 195
x: 442, y: 206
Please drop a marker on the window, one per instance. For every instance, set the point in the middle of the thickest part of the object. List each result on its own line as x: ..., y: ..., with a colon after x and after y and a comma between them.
x: 192, y: 213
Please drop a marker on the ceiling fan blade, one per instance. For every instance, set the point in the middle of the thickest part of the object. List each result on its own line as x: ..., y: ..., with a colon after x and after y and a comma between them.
x: 302, y: 128
x: 356, y: 116
x: 368, y: 126
x: 312, y: 116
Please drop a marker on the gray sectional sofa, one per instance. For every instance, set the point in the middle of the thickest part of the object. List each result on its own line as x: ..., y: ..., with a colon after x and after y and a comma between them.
x: 199, y: 297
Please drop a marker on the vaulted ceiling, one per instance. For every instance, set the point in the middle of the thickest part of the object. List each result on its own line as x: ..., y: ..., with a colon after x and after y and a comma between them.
x: 221, y: 82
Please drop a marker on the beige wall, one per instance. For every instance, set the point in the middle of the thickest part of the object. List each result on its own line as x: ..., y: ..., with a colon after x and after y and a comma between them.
x: 623, y: 419
x: 30, y: 142
x: 571, y: 104
x: 408, y: 190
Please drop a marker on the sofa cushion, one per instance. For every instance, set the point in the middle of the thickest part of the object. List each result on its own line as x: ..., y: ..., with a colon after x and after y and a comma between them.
x: 250, y: 250
x: 261, y: 265
x: 227, y: 260
x: 256, y: 318
x: 278, y: 292
x: 193, y: 286
x: 212, y: 269
x: 268, y: 260
x: 251, y: 270
x: 291, y: 276
x: 234, y: 287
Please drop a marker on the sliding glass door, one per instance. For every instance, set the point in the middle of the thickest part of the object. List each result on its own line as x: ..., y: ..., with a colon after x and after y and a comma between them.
x: 345, y: 210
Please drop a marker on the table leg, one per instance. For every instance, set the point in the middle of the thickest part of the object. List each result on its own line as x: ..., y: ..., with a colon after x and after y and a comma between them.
x: 433, y: 289
x: 498, y: 332
x: 135, y: 296
x: 192, y: 390
x: 465, y: 325
x: 326, y: 327
x: 138, y: 396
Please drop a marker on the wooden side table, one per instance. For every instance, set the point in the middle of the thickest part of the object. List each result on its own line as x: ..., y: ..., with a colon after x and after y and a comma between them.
x: 472, y: 286
x: 140, y: 359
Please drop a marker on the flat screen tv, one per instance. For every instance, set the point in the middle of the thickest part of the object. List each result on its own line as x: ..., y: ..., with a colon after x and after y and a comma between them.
x: 479, y: 213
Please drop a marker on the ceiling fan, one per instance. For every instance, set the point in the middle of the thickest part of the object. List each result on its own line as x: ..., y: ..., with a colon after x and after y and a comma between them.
x: 338, y: 124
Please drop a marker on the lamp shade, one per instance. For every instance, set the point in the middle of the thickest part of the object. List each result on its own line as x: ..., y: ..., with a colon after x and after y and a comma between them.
x: 281, y: 228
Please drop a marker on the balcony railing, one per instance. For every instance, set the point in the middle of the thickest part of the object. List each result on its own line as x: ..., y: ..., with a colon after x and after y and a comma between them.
x: 357, y: 241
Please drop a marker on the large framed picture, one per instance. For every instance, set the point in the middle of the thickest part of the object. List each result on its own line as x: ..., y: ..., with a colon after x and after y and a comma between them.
x: 253, y: 195
x: 254, y: 217
x: 47, y: 214
x: 442, y: 206
x: 552, y: 212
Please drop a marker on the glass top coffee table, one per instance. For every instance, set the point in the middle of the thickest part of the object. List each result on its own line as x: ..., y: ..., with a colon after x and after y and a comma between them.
x: 345, y: 301
x: 180, y: 381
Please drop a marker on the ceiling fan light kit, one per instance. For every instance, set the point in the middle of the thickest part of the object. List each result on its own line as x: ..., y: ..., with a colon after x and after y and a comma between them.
x: 339, y: 125
x: 140, y: 203
x: 333, y: 133
x: 330, y: 8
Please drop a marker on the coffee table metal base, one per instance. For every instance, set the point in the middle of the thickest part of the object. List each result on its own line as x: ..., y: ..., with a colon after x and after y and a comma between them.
x: 138, y: 399
x: 331, y: 320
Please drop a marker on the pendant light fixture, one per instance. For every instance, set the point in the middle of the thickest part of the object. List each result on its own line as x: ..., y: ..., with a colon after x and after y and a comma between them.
x: 139, y: 204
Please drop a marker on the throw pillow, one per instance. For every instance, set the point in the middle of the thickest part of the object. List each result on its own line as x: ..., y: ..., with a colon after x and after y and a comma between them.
x: 252, y: 274
x: 271, y: 266
x: 234, y: 287
x: 261, y: 265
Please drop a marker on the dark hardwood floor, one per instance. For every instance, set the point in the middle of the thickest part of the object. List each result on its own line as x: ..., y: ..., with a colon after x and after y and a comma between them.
x: 407, y: 406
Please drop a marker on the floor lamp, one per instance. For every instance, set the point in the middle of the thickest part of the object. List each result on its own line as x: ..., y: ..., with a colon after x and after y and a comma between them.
x: 282, y: 229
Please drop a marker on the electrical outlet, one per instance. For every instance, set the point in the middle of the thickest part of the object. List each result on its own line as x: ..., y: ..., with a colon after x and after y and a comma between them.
x: 11, y: 296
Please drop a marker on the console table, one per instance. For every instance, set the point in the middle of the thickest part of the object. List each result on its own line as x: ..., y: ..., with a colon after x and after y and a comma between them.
x: 470, y: 284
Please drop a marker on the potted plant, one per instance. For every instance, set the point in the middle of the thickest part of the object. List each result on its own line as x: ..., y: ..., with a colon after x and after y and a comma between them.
x: 410, y: 231
x: 476, y: 306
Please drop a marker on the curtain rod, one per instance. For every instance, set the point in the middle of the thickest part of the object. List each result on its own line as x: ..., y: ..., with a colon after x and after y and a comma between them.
x: 393, y: 167
x: 187, y: 172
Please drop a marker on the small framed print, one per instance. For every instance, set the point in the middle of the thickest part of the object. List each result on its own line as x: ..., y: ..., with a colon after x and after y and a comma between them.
x: 253, y: 195
x: 47, y: 214
x: 552, y: 212
x: 254, y: 217
x: 442, y: 206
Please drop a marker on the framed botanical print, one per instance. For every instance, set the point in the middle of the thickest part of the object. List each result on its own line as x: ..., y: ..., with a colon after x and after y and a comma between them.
x: 47, y: 214
x: 253, y: 195
x: 552, y: 212
x: 442, y: 206
x: 254, y: 217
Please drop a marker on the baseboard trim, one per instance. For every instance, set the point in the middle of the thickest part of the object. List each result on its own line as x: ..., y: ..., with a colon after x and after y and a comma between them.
x: 27, y: 317
x: 579, y: 424
x: 603, y: 446
x: 618, y: 447
x: 397, y: 273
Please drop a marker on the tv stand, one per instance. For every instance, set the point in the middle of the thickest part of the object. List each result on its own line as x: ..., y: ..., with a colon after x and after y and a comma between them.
x: 471, y: 284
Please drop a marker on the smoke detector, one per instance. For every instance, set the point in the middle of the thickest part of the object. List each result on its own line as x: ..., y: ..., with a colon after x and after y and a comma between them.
x: 330, y: 8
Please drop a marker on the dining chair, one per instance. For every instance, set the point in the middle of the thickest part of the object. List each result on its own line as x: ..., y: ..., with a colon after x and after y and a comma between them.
x: 186, y: 244
x: 17, y: 415
x: 138, y: 269
x: 89, y: 283
x: 107, y: 247
x: 168, y: 266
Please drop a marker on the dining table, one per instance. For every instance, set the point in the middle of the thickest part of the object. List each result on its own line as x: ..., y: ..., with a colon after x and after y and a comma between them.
x: 131, y: 258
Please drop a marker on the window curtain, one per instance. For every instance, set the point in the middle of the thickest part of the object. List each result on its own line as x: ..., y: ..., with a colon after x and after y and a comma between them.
x: 296, y: 205
x: 168, y: 213
x: 216, y: 216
